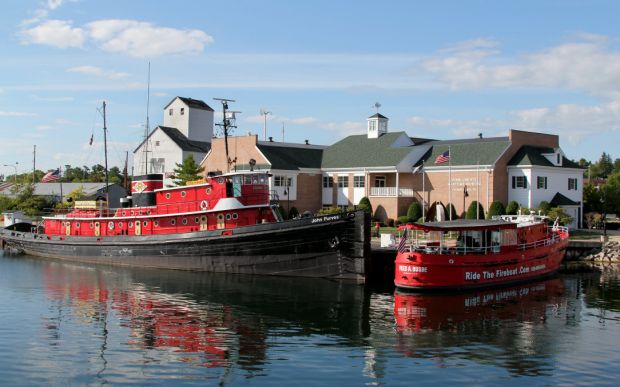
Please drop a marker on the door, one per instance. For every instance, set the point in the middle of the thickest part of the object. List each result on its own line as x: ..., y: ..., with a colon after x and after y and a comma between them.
x: 97, y: 229
x: 138, y: 226
x: 220, y: 221
x: 67, y: 228
x: 203, y: 223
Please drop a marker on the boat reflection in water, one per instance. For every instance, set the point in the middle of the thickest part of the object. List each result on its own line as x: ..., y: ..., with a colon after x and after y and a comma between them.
x: 216, y: 320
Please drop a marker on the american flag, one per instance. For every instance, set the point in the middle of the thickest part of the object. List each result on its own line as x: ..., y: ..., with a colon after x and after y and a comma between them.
x: 51, y: 176
x: 402, y: 245
x: 443, y: 158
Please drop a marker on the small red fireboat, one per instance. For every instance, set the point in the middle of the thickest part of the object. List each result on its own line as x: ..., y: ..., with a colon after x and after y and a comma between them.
x: 478, y: 253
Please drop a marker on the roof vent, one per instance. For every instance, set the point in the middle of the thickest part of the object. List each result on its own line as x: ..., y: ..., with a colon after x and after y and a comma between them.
x: 270, y: 139
x: 307, y: 143
x: 479, y: 135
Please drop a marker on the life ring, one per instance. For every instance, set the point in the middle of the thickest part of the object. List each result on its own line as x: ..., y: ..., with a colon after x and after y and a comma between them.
x: 204, y: 205
x: 111, y: 225
x: 451, y: 261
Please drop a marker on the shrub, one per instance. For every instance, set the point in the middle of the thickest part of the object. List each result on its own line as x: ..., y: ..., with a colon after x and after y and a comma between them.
x: 329, y: 211
x: 414, y: 211
x: 451, y: 209
x: 293, y: 213
x: 545, y: 207
x: 471, y: 211
x: 512, y: 208
x: 563, y: 217
x: 365, y: 205
x: 389, y: 222
x: 403, y: 219
x: 496, y: 208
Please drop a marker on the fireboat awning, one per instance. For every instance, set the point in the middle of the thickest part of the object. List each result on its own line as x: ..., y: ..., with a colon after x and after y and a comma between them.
x: 460, y: 225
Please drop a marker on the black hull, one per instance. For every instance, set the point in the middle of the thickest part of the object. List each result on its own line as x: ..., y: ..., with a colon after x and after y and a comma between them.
x: 333, y: 246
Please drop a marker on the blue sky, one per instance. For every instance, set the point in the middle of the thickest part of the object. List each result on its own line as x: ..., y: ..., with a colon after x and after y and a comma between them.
x: 440, y: 69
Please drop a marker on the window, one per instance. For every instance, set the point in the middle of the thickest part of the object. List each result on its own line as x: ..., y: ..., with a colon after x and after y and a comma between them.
x: 343, y: 181
x: 541, y: 182
x: 358, y: 181
x: 372, y: 126
x: 519, y: 182
x: 572, y: 183
x: 328, y: 181
x: 158, y: 165
x: 169, y: 112
x: 558, y: 159
x: 182, y: 111
x: 156, y: 143
x: 379, y: 181
x: 282, y: 181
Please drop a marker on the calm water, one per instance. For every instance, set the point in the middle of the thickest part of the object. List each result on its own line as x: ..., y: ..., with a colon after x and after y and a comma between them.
x: 75, y: 324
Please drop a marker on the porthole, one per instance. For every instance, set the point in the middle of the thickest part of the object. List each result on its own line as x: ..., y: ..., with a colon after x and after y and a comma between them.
x: 184, y: 221
x: 120, y: 225
x: 228, y: 216
x: 183, y: 194
x: 203, y: 218
x: 234, y: 215
x: 196, y: 220
x: 92, y: 225
x: 173, y: 222
x: 168, y: 195
x: 220, y: 180
x: 130, y: 224
x: 111, y: 225
x: 145, y: 223
x: 156, y: 223
x: 77, y: 224
x: 123, y: 213
x: 209, y: 191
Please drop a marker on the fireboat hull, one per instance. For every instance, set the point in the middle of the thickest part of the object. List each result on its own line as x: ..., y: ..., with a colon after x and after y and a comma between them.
x: 332, y: 246
x: 422, y: 272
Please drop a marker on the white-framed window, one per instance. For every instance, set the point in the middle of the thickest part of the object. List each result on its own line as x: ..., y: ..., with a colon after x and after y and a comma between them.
x: 158, y: 165
x: 182, y: 111
x: 282, y: 181
x: 572, y: 183
x: 519, y: 182
x: 379, y: 181
x: 169, y: 112
x: 541, y: 182
x: 343, y: 181
x: 359, y: 181
x: 328, y: 181
x: 372, y: 126
x: 156, y: 143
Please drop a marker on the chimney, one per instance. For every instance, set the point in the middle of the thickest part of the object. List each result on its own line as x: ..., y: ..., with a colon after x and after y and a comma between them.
x: 270, y: 139
x: 307, y: 143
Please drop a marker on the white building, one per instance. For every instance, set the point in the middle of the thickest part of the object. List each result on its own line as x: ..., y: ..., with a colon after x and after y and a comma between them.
x: 187, y: 130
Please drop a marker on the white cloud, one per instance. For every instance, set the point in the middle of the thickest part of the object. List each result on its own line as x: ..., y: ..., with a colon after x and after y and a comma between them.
x: 142, y: 39
x: 345, y: 128
x: 52, y: 99
x: 15, y: 114
x: 56, y: 33
x: 587, y: 64
x: 303, y: 121
x: 98, y: 72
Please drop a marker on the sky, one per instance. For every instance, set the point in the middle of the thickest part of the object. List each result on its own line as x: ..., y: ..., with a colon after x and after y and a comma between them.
x: 439, y: 69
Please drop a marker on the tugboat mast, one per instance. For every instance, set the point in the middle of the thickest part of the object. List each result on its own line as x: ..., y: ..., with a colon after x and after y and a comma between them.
x: 105, y: 151
x: 226, y: 125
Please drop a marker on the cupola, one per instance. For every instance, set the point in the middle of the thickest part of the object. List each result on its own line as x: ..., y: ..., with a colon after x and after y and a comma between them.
x: 377, y: 125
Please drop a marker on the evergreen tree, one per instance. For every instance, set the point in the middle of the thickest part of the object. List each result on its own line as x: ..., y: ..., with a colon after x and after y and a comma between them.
x: 605, y: 164
x: 188, y: 171
x: 496, y: 208
x: 414, y: 212
x: 451, y: 210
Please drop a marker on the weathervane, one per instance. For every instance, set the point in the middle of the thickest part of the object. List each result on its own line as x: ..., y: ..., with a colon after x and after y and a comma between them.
x: 377, y: 106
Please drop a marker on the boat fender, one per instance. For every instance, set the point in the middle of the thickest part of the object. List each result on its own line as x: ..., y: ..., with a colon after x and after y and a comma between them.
x: 204, y: 205
x: 333, y: 243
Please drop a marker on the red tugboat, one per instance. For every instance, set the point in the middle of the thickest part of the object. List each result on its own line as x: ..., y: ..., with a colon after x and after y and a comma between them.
x: 483, y: 253
x: 227, y: 223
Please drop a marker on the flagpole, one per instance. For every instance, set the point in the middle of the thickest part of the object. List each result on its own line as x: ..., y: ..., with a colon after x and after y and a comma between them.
x: 60, y: 181
x: 478, y: 190
x: 450, y: 181
x: 423, y: 192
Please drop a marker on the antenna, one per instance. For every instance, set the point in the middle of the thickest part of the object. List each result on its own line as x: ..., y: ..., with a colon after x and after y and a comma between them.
x: 264, y: 112
x: 146, y: 126
x: 377, y: 106
x: 226, y: 124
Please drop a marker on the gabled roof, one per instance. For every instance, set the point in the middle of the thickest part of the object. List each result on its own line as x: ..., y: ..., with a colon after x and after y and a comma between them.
x: 193, y: 103
x: 360, y: 151
x: 561, y: 200
x: 378, y: 115
x: 533, y: 155
x: 482, y: 151
x: 291, y: 158
x: 181, y: 140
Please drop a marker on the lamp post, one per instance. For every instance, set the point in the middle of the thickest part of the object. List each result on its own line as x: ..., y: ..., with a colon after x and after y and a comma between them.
x: 15, y: 167
x: 287, y: 192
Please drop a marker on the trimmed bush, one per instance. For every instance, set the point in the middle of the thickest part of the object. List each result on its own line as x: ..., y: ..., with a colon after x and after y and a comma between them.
x: 365, y: 205
x: 512, y: 208
x: 471, y: 211
x: 545, y: 207
x: 403, y: 219
x: 414, y: 211
x: 451, y: 209
x: 389, y: 222
x: 496, y: 208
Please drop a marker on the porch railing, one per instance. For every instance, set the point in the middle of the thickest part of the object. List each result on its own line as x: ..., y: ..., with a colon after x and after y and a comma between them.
x: 391, y: 191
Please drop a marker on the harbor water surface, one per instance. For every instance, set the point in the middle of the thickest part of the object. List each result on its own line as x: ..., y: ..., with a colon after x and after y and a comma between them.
x: 73, y: 324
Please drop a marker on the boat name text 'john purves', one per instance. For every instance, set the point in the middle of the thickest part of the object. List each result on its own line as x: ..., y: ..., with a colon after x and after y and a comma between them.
x: 326, y: 219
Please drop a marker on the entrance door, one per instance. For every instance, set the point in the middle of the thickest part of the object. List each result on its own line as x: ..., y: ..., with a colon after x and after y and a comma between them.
x: 97, y: 229
x: 220, y: 221
x: 67, y: 228
x: 138, y: 227
x: 203, y: 223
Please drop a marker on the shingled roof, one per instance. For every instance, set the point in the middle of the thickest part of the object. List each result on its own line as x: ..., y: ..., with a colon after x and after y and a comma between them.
x: 193, y: 103
x: 181, y: 140
x: 293, y: 157
x: 482, y: 151
x: 360, y: 151
x: 532, y: 155
x: 561, y: 200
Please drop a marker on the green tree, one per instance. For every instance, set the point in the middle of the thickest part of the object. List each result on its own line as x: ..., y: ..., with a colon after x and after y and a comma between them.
x: 545, y: 207
x: 611, y: 195
x: 512, y: 208
x: 450, y: 209
x: 605, y: 164
x: 558, y: 213
x: 471, y: 211
x: 414, y: 212
x: 591, y: 199
x: 188, y: 171
x: 27, y: 202
x: 365, y: 205
x: 496, y: 208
